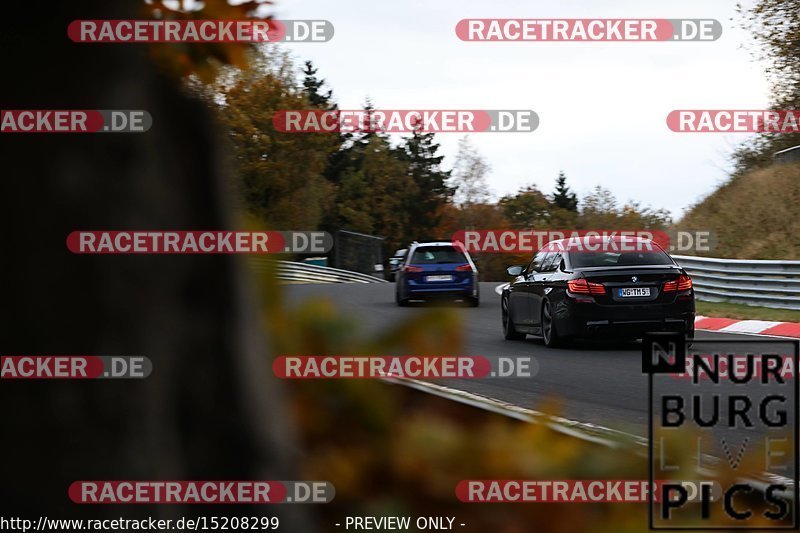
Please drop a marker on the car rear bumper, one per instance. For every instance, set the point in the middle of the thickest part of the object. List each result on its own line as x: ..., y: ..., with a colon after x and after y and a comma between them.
x: 633, y: 328
x: 430, y: 290
x: 578, y: 319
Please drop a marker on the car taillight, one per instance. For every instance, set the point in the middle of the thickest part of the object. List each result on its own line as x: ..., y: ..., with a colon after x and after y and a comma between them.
x: 581, y: 286
x: 683, y: 283
x: 410, y: 268
x: 464, y: 268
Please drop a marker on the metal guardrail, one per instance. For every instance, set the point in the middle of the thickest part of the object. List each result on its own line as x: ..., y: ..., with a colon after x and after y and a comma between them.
x: 765, y: 283
x: 292, y: 272
x: 790, y: 155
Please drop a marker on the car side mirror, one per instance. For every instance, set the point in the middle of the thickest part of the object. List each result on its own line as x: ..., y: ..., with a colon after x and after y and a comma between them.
x: 514, y: 271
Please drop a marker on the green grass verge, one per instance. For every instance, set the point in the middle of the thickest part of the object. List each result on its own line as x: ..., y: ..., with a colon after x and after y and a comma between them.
x: 729, y: 310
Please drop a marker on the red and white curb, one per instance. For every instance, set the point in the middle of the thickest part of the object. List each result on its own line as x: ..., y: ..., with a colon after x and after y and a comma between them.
x: 758, y: 327
x: 733, y: 325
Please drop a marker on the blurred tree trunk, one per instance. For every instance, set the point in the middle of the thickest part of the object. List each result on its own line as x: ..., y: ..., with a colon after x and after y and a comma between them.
x: 211, y: 408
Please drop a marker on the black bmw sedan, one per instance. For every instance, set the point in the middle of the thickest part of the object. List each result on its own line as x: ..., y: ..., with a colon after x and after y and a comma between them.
x: 617, y: 287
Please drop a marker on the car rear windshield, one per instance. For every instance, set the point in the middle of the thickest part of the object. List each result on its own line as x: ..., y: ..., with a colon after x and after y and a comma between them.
x: 433, y: 255
x: 584, y: 259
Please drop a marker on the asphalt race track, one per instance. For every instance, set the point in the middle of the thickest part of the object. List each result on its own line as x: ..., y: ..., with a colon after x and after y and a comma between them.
x: 598, y: 382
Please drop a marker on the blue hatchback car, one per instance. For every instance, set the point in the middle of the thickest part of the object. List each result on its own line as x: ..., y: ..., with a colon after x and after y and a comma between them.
x: 437, y: 270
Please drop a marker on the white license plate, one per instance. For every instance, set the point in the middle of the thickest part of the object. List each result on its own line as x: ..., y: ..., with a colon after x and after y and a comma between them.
x: 633, y: 292
x: 438, y: 278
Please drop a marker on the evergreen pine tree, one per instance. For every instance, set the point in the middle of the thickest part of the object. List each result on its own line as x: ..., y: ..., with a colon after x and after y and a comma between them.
x: 564, y: 197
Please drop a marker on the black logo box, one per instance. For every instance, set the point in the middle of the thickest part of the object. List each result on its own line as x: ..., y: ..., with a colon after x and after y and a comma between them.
x: 650, y: 367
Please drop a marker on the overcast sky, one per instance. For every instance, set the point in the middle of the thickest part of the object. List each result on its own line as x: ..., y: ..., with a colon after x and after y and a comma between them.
x: 602, y: 106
